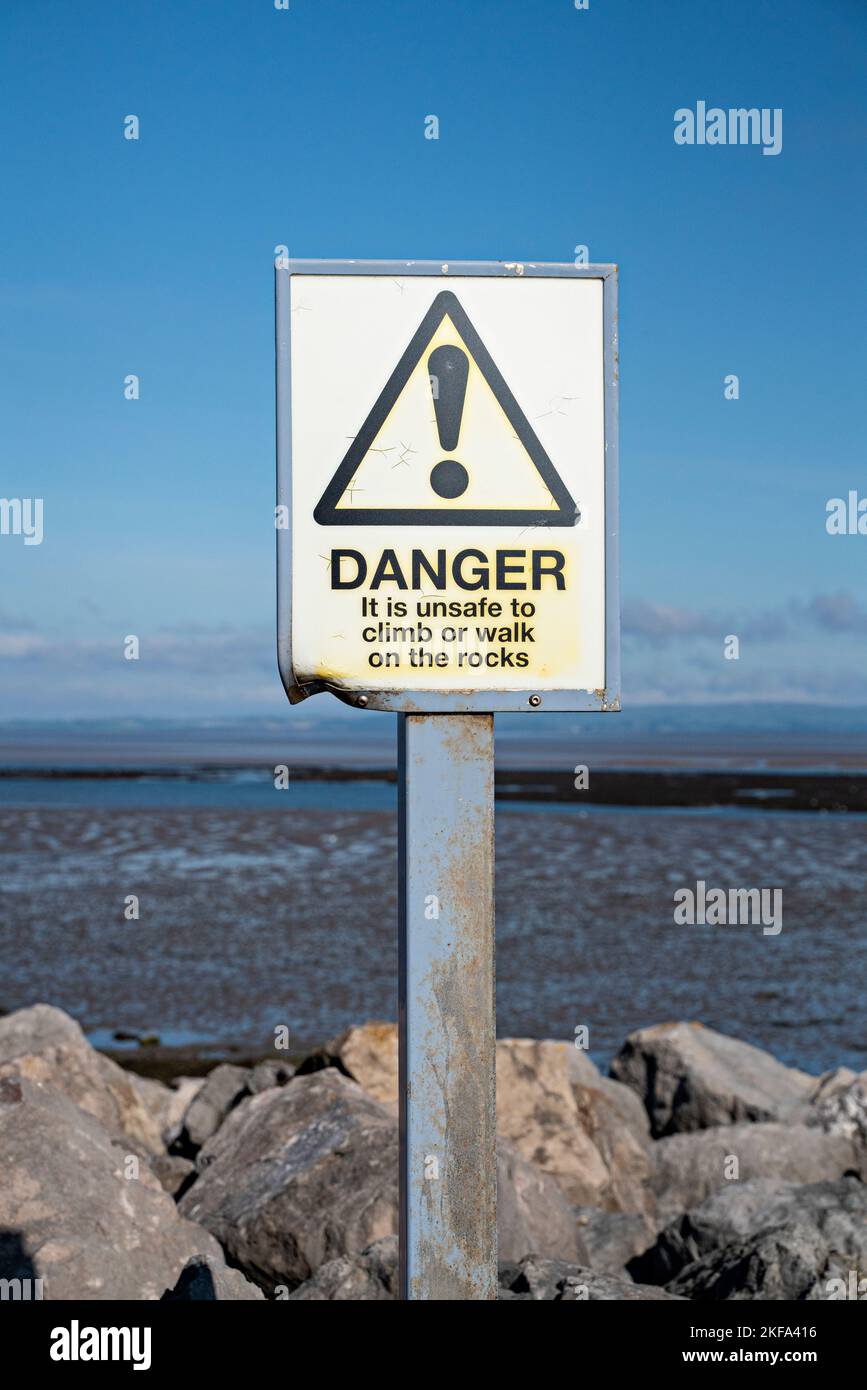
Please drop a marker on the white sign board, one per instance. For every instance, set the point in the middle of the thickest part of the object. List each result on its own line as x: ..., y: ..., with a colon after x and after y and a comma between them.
x: 447, y: 485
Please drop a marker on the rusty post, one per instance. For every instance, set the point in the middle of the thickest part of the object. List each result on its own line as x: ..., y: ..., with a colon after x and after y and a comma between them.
x: 448, y: 1167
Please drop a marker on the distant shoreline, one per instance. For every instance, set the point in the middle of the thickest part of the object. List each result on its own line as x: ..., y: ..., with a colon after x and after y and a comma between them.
x: 647, y: 787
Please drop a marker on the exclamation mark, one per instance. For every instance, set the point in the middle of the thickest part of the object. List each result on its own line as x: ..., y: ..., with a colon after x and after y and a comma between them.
x: 448, y: 367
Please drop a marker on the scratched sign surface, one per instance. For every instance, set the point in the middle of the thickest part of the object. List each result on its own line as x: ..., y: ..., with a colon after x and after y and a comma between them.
x: 448, y: 484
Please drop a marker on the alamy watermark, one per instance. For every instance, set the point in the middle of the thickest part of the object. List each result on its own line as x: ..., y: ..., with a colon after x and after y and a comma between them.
x: 22, y: 516
x: 846, y: 516
x: 740, y: 125
x: 703, y: 906
x: 21, y: 1290
x: 853, y: 1287
x: 77, y: 1343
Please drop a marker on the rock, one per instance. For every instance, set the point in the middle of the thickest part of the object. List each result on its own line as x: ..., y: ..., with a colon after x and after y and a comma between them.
x: 790, y: 1262
x: 203, y: 1281
x: 628, y: 1106
x: 626, y: 1157
x: 367, y: 1054
x: 583, y: 1073
x: 581, y: 1069
x: 47, y: 1047
x: 828, y: 1085
x: 155, y: 1097
x: 612, y: 1238
x: 843, y: 1112
x: 690, y: 1077
x: 182, y: 1092
x: 81, y: 1224
x: 224, y: 1087
x: 533, y: 1216
x: 297, y: 1176
x: 267, y: 1074
x: 557, y: 1280
x: 168, y: 1105
x: 688, y: 1167
x: 34, y: 1030
x: 537, y: 1112
x: 549, y: 1081
x: 837, y: 1212
x: 543, y: 1084
x: 300, y: 1176
x: 371, y: 1277
x: 571, y: 1131
x: 175, y: 1173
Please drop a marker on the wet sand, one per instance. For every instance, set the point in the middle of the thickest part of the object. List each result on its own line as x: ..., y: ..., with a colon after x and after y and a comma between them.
x: 252, y: 919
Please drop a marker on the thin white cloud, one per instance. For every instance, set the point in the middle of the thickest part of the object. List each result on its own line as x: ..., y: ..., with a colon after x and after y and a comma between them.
x: 672, y: 655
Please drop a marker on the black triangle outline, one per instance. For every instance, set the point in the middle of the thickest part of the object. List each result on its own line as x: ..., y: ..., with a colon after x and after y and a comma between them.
x: 325, y: 511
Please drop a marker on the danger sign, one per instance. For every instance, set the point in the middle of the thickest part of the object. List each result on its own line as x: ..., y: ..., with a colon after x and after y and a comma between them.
x: 446, y: 513
x: 446, y: 366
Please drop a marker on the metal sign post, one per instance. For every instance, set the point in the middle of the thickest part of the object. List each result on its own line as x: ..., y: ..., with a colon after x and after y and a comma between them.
x: 448, y: 1161
x: 447, y: 547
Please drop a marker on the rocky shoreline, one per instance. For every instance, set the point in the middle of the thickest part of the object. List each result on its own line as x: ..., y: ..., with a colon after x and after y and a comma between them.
x: 700, y: 1168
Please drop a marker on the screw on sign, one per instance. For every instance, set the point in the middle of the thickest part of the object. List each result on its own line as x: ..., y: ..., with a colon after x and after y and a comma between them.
x: 447, y: 453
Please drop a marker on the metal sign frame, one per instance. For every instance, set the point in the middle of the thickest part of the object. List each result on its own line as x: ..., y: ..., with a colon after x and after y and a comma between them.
x: 604, y: 700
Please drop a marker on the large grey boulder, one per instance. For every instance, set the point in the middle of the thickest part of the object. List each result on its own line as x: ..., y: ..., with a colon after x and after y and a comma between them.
x: 297, y: 1176
x: 85, y: 1215
x: 688, y: 1167
x: 371, y: 1277
x: 584, y: 1130
x: 46, y: 1046
x: 690, y: 1077
x: 835, y: 1210
x: 532, y: 1215
x: 612, y: 1238
x: 558, y: 1281
x: 307, y: 1174
x: 792, y: 1262
x: 574, y: 1131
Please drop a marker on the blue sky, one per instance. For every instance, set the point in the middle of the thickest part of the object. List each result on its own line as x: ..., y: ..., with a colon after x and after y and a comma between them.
x: 306, y: 127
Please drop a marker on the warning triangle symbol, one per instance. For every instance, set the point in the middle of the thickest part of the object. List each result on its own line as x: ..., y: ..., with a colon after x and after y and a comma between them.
x: 446, y: 443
